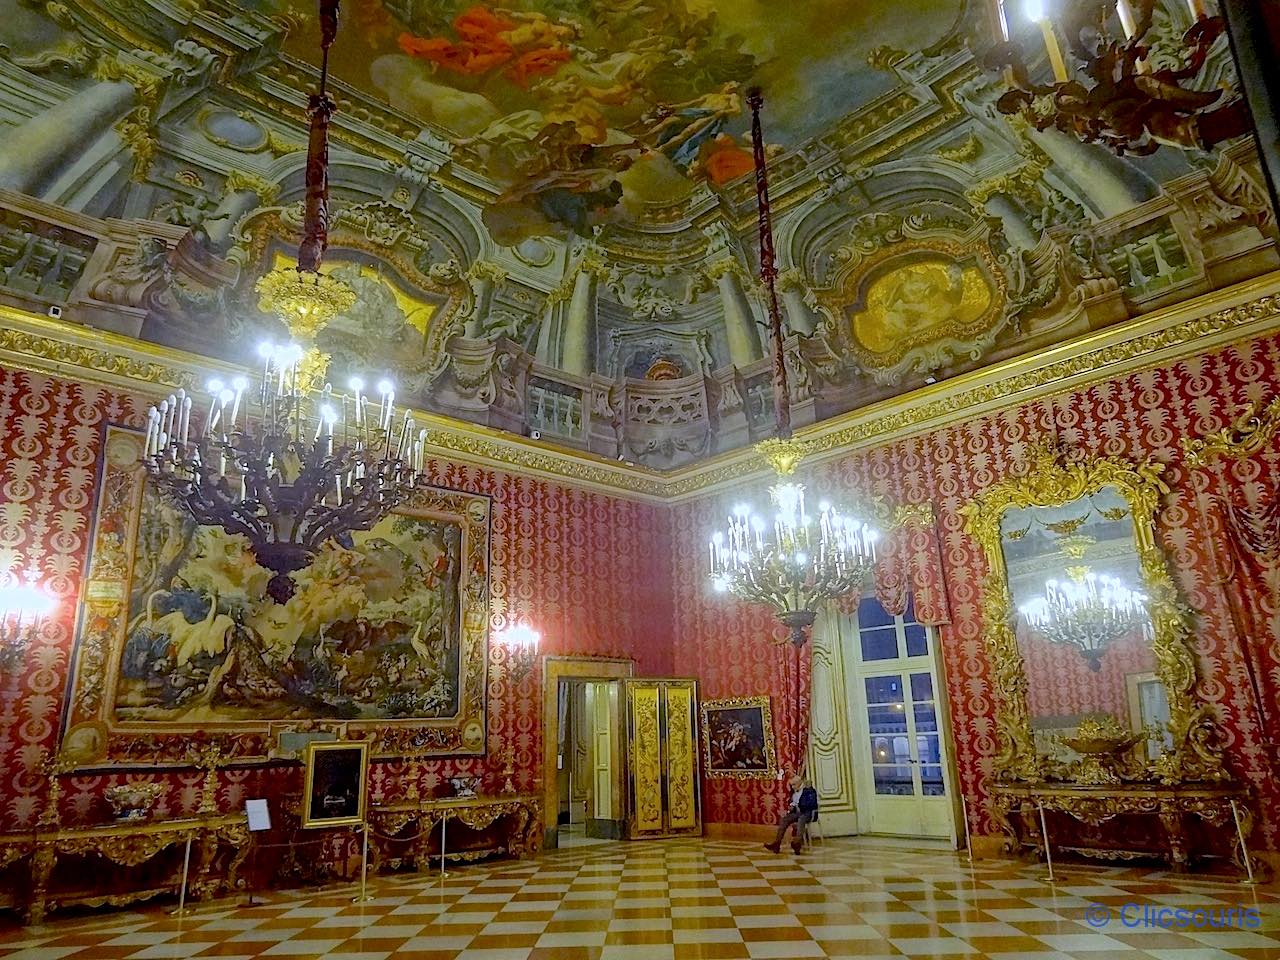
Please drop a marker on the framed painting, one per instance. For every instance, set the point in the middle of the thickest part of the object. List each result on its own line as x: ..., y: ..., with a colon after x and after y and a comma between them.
x: 179, y: 649
x: 737, y: 739
x: 335, y: 784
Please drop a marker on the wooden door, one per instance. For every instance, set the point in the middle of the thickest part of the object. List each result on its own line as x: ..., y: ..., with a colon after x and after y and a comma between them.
x: 662, y: 758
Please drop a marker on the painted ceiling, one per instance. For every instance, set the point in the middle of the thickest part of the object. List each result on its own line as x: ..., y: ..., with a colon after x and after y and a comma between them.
x: 575, y: 105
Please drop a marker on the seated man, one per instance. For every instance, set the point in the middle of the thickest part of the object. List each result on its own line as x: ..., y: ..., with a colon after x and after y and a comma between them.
x: 802, y: 811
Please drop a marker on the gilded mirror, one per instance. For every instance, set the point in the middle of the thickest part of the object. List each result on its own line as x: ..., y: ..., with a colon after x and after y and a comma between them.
x: 1093, y: 670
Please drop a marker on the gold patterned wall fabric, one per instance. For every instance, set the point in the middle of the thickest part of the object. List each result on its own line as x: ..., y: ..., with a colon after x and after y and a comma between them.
x: 662, y: 757
x: 179, y: 645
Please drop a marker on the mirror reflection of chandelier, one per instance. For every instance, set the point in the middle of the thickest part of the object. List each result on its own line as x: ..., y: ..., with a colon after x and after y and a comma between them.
x: 1089, y: 611
x: 800, y: 561
x: 285, y: 466
x: 1107, y: 86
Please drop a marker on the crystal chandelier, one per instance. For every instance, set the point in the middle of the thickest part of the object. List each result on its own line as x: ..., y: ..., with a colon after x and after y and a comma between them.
x: 1088, y: 611
x: 1106, y: 87
x: 286, y: 470
x: 796, y: 564
x: 285, y: 466
x: 799, y: 562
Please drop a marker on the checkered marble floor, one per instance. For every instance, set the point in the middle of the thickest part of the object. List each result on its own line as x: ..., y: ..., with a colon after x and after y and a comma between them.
x: 689, y: 900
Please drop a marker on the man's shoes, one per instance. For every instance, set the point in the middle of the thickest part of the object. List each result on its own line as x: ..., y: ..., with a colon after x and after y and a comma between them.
x: 795, y: 846
x: 773, y: 847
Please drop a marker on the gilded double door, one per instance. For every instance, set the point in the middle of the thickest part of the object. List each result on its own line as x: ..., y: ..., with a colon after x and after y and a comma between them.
x: 662, y: 758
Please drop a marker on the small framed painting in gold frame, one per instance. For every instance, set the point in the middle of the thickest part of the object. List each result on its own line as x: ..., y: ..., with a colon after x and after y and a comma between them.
x: 737, y: 739
x: 334, y: 788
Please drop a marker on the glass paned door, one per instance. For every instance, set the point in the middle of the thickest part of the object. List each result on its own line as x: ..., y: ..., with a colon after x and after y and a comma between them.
x: 906, y: 750
x: 902, y: 751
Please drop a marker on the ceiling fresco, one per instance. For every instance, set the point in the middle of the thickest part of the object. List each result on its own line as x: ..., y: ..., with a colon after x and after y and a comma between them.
x: 581, y: 109
x: 545, y: 210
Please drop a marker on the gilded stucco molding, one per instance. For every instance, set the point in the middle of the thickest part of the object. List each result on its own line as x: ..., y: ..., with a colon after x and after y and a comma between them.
x: 1248, y: 434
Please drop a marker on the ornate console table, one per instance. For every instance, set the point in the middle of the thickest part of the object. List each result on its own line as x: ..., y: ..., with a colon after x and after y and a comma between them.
x: 80, y: 865
x: 1127, y: 820
x: 407, y: 831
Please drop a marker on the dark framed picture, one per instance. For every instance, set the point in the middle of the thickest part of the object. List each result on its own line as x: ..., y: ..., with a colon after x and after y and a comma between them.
x: 737, y: 738
x: 334, y: 789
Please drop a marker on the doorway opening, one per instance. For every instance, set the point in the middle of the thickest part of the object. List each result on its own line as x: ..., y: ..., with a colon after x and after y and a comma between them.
x: 584, y: 789
x: 589, y: 784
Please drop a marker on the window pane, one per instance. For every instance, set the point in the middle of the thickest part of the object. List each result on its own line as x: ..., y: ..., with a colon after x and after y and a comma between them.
x: 928, y: 748
x: 884, y: 689
x: 931, y: 780
x: 917, y: 640
x: 893, y: 780
x: 880, y: 644
x: 909, y: 615
x: 890, y: 749
x: 872, y: 614
x: 887, y: 718
x: 926, y: 718
x: 921, y: 687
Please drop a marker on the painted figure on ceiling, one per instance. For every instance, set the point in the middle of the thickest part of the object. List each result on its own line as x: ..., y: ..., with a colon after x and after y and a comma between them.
x: 540, y: 90
x: 528, y: 44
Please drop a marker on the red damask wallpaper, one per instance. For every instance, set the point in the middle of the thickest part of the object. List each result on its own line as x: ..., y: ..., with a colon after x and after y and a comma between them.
x: 1232, y: 589
x: 605, y: 576
x: 589, y: 571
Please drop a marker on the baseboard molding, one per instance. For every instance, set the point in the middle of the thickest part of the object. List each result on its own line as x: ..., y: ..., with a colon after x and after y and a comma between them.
x: 761, y: 832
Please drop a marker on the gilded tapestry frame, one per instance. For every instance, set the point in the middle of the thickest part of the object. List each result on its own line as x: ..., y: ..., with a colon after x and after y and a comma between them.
x: 1047, y: 481
x: 766, y: 720
x: 94, y: 737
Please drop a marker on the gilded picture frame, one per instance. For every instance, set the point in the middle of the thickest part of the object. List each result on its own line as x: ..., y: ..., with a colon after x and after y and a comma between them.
x: 1046, y: 480
x: 335, y: 784
x: 159, y: 623
x: 738, y: 739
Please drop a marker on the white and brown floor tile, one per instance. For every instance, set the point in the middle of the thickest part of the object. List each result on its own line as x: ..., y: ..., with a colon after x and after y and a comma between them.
x: 698, y: 900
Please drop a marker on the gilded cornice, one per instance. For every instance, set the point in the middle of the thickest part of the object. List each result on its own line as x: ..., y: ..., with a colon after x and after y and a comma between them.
x: 1237, y: 314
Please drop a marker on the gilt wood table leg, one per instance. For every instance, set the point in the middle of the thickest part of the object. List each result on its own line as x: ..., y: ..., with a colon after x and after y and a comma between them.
x: 42, y: 864
x: 1175, y: 834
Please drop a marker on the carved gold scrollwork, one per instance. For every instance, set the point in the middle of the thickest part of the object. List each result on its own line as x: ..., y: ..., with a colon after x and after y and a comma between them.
x: 1248, y: 434
x: 1046, y: 481
x: 390, y: 822
x: 646, y: 758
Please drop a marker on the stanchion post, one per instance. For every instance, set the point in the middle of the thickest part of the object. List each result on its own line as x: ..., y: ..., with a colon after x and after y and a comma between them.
x: 1044, y: 836
x: 186, y: 870
x: 1244, y: 847
x: 968, y: 840
x: 253, y: 870
x: 364, y: 867
x: 444, y: 823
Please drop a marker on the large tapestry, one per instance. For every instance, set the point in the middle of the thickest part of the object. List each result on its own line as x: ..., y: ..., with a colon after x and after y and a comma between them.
x: 179, y: 643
